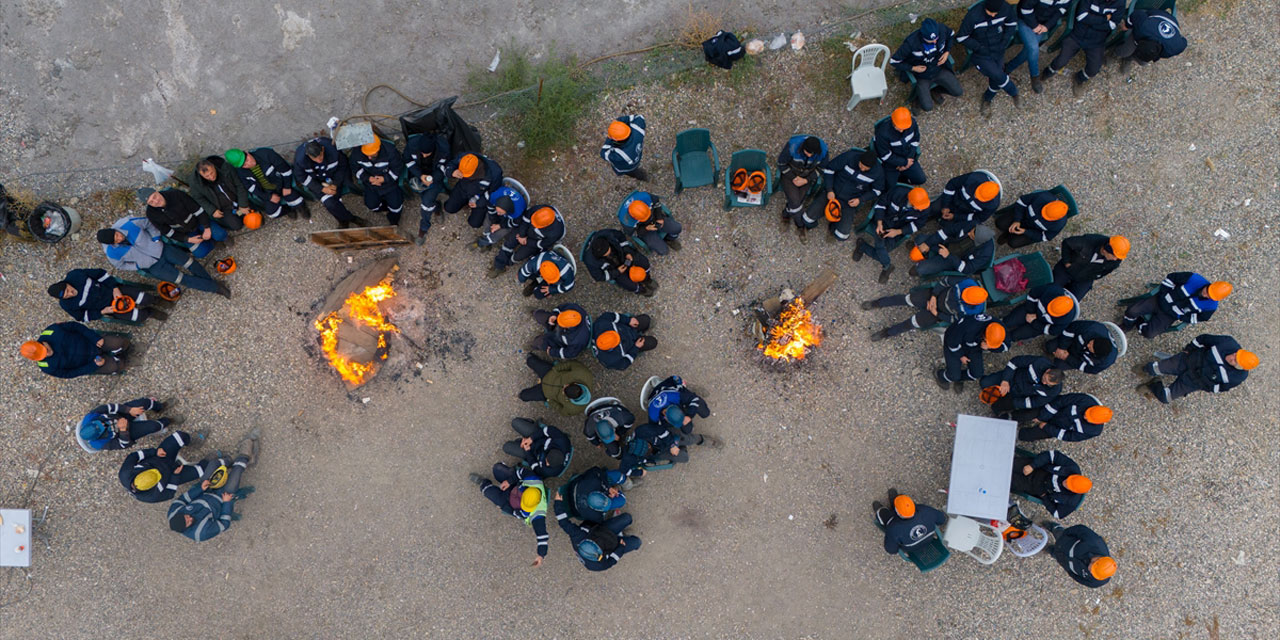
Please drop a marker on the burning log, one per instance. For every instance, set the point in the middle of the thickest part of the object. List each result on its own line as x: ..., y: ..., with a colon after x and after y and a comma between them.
x: 353, y: 329
x: 784, y: 326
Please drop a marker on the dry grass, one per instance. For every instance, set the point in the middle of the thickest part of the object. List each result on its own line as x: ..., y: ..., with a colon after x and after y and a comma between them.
x: 120, y: 201
x: 698, y: 26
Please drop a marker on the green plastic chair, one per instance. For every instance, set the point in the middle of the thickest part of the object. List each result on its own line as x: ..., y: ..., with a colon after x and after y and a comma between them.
x: 1038, y: 272
x: 1064, y: 195
x: 751, y: 160
x: 928, y: 556
x: 694, y: 160
x: 915, y: 84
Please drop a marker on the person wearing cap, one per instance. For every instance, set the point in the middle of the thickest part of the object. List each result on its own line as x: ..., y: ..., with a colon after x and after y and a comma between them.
x: 799, y: 167
x: 971, y: 198
x: 594, y: 495
x: 1036, y: 20
x: 535, y: 233
x: 114, y: 426
x: 1152, y: 34
x: 643, y: 215
x: 70, y: 350
x: 969, y: 255
x: 943, y: 302
x: 520, y: 494
x: 546, y: 274
x: 425, y: 157
x: 896, y: 141
x: 1183, y: 296
x: 673, y: 392
x: 509, y: 206
x: 607, y: 426
x: 610, y: 257
x: 1026, y: 383
x: 325, y: 173
x: 1094, y: 22
x: 1035, y: 217
x: 925, y: 53
x: 1053, y: 478
x: 268, y: 179
x: 1085, y: 345
x: 134, y: 244
x: 1085, y: 259
x: 907, y: 525
x: 181, y: 221
x: 378, y: 167
x: 90, y: 294
x: 1047, y: 311
x: 544, y: 449
x: 478, y: 177
x: 567, y: 331
x: 623, y: 146
x: 853, y: 178
x: 200, y: 514
x: 985, y: 32
x: 1083, y: 553
x: 900, y: 213
x: 154, y: 475
x: 219, y: 191
x: 1210, y: 363
x: 563, y: 385
x: 618, y: 339
x: 1070, y: 417
x: 598, y: 546
x: 963, y: 345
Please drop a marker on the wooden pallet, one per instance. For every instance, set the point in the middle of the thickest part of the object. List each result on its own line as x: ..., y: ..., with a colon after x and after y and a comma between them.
x: 359, y: 238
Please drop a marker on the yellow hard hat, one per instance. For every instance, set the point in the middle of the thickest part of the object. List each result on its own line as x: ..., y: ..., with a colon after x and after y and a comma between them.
x: 529, y: 498
x: 146, y: 480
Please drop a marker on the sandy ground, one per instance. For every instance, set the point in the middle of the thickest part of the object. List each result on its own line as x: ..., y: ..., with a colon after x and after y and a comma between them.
x: 364, y: 524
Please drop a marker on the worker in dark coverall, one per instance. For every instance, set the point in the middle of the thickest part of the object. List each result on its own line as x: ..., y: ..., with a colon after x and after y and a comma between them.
x: 1070, y: 417
x: 520, y: 494
x: 1026, y: 384
x: 567, y: 331
x: 1035, y: 217
x: 1210, y: 363
x: 619, y: 339
x: 1082, y: 553
x: 985, y: 32
x: 599, y: 546
x: 594, y: 495
x: 378, y: 167
x: 71, y: 350
x: 542, y: 448
x: 1153, y: 34
x: 907, y: 525
x: 963, y: 346
x: 799, y: 167
x: 853, y: 179
x: 608, y: 425
x: 154, y: 475
x: 477, y: 178
x: 88, y: 294
x: 1094, y: 22
x: 1183, y: 296
x: 969, y: 254
x: 624, y: 145
x: 643, y: 215
x: 896, y: 141
x: 925, y: 53
x: 1084, y: 345
x: 114, y: 426
x: 200, y: 514
x: 539, y: 230
x: 943, y: 302
x: 426, y: 155
x: 1085, y: 259
x: 268, y: 179
x: 610, y: 257
x: 1053, y: 478
x: 900, y: 213
x: 1047, y: 311
x: 324, y: 173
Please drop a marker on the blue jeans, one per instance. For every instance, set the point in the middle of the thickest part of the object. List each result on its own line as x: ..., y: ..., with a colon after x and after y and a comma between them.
x: 1030, y: 50
x: 217, y: 234
x: 168, y: 268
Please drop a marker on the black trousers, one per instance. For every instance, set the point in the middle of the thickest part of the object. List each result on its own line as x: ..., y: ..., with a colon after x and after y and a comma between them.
x: 1148, y: 317
x: 333, y: 204
x: 944, y: 79
x: 542, y: 368
x: 1092, y: 58
x: 921, y: 319
x: 1004, y: 218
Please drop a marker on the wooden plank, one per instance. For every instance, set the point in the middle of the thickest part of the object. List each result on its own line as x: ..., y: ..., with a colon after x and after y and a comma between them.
x: 360, y: 238
x: 820, y: 284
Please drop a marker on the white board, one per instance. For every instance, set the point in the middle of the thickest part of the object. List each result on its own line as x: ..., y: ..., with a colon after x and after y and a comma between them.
x: 981, y: 463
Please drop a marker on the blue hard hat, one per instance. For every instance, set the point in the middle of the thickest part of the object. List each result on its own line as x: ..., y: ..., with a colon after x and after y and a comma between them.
x: 605, y: 432
x: 93, y: 428
x: 598, y: 501
x: 674, y: 415
x: 589, y: 550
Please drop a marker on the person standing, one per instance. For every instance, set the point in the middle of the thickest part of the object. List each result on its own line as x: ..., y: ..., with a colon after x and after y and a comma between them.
x: 624, y: 145
x: 1183, y: 296
x: 1210, y: 363
x: 1082, y: 553
x: 925, y: 54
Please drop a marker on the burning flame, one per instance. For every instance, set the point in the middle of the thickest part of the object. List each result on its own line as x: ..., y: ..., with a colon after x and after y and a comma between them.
x: 793, y: 335
x: 362, y: 308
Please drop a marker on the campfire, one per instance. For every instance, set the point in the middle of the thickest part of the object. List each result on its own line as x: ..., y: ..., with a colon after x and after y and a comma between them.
x: 353, y: 329
x: 793, y: 335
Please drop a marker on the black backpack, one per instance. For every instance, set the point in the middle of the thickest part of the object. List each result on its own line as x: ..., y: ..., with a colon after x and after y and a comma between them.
x: 723, y: 49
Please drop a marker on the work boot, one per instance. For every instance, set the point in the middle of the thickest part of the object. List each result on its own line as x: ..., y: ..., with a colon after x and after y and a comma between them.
x: 893, y: 494
x: 529, y: 287
x: 804, y: 235
x: 360, y: 222
x: 251, y: 442
x: 476, y: 478
x: 985, y: 107
x: 422, y: 238
x: 1125, y: 63
x: 942, y: 382
x: 786, y: 221
x: 914, y: 271
x: 868, y: 305
x: 880, y: 335
x: 304, y: 210
x: 1036, y: 85
x: 1047, y: 73
x: 495, y: 271
x: 939, y: 98
x: 158, y: 316
x: 857, y: 252
x: 223, y: 291
x: 1143, y: 370
x: 291, y: 213
x: 1017, y: 100
x: 1077, y: 86
x: 174, y: 421
x: 674, y: 243
x: 343, y: 224
x: 958, y: 387
x: 229, y: 241
x: 884, y: 274
x: 1146, y: 389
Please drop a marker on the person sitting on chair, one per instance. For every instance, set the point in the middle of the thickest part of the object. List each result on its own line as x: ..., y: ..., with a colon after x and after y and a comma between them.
x: 608, y: 426
x: 92, y: 294
x: 267, y: 177
x: 1094, y: 22
x: 1053, y: 478
x: 896, y: 141
x: 610, y: 257
x: 942, y: 302
x: 925, y: 53
x: 933, y: 256
x: 1035, y: 217
x: 566, y: 331
x: 799, y: 167
x: 1085, y: 345
x: 853, y: 178
x: 1070, y: 417
x: 643, y: 215
x: 546, y: 274
x: 532, y: 234
x: 894, y: 218
x: 907, y: 525
x: 1024, y: 386
x: 182, y: 221
x: 1183, y: 296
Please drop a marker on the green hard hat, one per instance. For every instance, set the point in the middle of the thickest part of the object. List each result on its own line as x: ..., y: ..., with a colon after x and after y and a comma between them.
x: 235, y: 157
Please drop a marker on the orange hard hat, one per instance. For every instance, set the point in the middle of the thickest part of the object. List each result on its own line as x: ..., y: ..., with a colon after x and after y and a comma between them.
x: 994, y: 335
x: 123, y: 304
x: 543, y: 217
x: 1120, y: 246
x: 1076, y: 483
x: 919, y: 198
x: 1102, y: 568
x: 832, y: 211
x: 1098, y: 414
x: 568, y: 319
x: 639, y: 211
x: 549, y: 271
x: 252, y: 220
x: 619, y: 131
x: 371, y: 149
x: 973, y: 295
x: 1246, y: 359
x: 226, y: 265
x: 637, y: 274
x: 987, y: 191
x: 1055, y: 210
x: 916, y: 255
x: 608, y: 340
x: 34, y: 350
x: 1219, y: 290
x: 468, y: 164
x: 901, y: 118
x: 1060, y: 306
x: 905, y: 506
x: 169, y: 291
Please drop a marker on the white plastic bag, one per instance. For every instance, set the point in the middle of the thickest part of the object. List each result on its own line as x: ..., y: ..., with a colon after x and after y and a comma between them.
x: 158, y: 172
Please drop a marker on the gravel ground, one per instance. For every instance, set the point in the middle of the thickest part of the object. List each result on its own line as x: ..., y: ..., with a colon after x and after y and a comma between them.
x: 364, y: 522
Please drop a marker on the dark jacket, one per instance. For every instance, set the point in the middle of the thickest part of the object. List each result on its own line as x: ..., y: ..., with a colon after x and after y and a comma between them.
x: 1024, y: 373
x: 959, y: 195
x: 334, y: 169
x: 911, y: 53
x: 1075, y: 339
x: 1182, y: 296
x: 543, y: 238
x: 1158, y: 26
x: 427, y: 154
x: 905, y: 534
x: 845, y: 177
x: 1063, y: 417
x: 1075, y: 549
x: 895, y: 147
x: 964, y: 255
x: 1049, y: 472
x: 547, y: 438
x: 145, y: 459
x: 792, y: 163
x: 93, y: 294
x: 622, y: 254
x: 74, y: 348
x: 386, y: 164
x: 1026, y: 212
x: 577, y: 489
x: 618, y: 417
x: 116, y: 439
x: 984, y: 35
x: 1207, y: 366
x: 623, y: 355
x: 1082, y: 257
x: 949, y: 293
x: 1045, y: 13
x: 1037, y: 302
x: 180, y: 217
x: 566, y: 344
x: 624, y: 157
x: 1095, y: 20
x: 647, y: 439
x: 275, y: 171
x: 578, y: 533
x: 673, y: 391
x: 212, y: 515
x: 964, y: 337
x: 532, y: 269
x: 482, y: 183
x: 896, y: 212
x: 226, y: 193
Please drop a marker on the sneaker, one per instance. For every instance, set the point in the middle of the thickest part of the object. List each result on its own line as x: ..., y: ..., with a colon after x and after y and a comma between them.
x: 476, y: 478
x: 1036, y: 85
x: 884, y: 274
x: 880, y: 335
x: 674, y: 243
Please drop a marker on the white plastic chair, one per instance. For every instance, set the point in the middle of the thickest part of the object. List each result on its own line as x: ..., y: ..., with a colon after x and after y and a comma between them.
x: 646, y: 392
x: 995, y: 180
x: 1032, y: 542
x: 1117, y: 338
x: 867, y: 76
x: 968, y: 536
x: 515, y: 184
